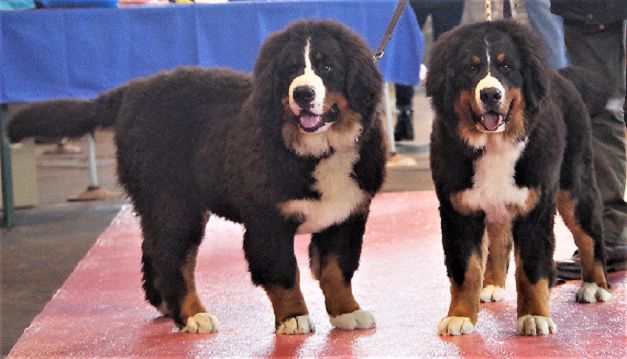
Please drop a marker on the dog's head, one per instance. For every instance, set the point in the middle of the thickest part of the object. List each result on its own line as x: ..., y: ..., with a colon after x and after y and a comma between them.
x: 491, y: 76
x: 318, y: 79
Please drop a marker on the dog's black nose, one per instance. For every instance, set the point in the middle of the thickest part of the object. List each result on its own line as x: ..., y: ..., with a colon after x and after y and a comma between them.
x: 303, y: 95
x: 490, y: 95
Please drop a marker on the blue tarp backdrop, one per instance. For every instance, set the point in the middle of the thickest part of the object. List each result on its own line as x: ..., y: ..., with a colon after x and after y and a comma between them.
x: 79, y: 53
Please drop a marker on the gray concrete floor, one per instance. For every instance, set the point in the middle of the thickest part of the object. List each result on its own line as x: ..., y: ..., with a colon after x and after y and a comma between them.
x: 49, y: 240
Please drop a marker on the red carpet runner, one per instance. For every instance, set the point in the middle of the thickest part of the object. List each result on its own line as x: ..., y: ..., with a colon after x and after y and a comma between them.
x: 100, y: 311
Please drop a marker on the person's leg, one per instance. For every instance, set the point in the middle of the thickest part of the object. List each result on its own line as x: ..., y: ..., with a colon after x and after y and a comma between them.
x: 404, y: 129
x: 603, y: 51
x: 551, y: 29
x: 446, y: 17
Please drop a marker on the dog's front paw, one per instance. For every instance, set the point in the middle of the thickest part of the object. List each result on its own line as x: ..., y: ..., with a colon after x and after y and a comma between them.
x: 535, y: 325
x: 492, y: 293
x: 301, y: 324
x: 201, y: 323
x: 455, y: 326
x: 359, y: 319
x: 591, y: 292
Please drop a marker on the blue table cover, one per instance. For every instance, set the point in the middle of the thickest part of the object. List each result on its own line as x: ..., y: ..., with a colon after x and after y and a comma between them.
x: 79, y: 53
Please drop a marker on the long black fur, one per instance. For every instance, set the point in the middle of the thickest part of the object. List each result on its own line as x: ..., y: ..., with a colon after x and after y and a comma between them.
x: 558, y: 154
x: 193, y: 140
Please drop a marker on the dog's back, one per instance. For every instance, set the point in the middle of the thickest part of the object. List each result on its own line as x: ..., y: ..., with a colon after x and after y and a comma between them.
x: 163, y: 119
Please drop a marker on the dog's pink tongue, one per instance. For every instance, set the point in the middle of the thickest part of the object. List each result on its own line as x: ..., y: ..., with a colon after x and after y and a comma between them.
x: 309, y: 121
x: 492, y: 121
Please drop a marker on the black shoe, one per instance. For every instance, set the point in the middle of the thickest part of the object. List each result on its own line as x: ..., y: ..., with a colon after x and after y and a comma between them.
x: 571, y: 268
x: 404, y: 129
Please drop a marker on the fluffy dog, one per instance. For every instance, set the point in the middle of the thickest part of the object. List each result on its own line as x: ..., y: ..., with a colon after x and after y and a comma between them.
x: 511, y: 142
x: 296, y: 148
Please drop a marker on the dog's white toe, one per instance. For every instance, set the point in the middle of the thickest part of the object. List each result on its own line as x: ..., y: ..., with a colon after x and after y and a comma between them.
x: 492, y: 293
x: 455, y: 326
x: 591, y: 293
x: 359, y: 319
x: 535, y: 325
x: 296, y: 325
x: 201, y: 323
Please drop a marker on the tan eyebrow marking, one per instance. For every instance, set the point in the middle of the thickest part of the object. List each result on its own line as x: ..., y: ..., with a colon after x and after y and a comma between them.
x: 501, y: 57
x: 476, y: 60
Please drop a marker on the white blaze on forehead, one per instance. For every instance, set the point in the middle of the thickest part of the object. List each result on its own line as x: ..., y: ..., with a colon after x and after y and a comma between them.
x: 310, y: 79
x: 488, y: 81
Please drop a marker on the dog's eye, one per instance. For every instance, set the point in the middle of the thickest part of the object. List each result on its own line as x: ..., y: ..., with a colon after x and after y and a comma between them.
x: 475, y: 68
x: 326, y: 69
x: 505, y: 68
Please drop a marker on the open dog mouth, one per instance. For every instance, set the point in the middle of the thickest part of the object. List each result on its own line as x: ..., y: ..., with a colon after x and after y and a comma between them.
x: 311, y: 122
x: 492, y: 121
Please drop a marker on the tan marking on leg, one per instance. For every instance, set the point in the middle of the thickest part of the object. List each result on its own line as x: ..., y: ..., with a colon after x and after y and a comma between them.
x: 287, y: 302
x: 500, y: 239
x: 592, y: 270
x: 533, y: 299
x: 458, y: 203
x: 465, y: 298
x: 191, y: 304
x: 532, y: 200
x: 338, y: 295
x: 314, y: 261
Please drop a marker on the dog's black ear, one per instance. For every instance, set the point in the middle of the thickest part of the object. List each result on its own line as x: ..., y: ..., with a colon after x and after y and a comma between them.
x: 534, y: 66
x: 439, y: 72
x: 364, y: 82
x: 265, y: 74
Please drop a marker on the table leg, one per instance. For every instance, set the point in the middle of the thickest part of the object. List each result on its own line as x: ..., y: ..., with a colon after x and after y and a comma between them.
x: 7, y: 172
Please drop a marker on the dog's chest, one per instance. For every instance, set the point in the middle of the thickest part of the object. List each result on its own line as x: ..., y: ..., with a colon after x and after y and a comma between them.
x: 494, y: 188
x: 340, y: 194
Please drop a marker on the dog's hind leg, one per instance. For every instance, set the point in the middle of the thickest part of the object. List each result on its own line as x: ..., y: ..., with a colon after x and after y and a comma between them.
x: 464, y: 241
x: 269, y: 249
x: 171, y: 240
x: 500, y: 247
x: 579, y: 204
x: 334, y: 256
x: 583, y: 218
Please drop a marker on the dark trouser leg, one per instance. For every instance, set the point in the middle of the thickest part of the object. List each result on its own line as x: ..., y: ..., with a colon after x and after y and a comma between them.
x: 404, y: 129
x: 446, y: 18
x: 604, y: 52
x: 334, y: 256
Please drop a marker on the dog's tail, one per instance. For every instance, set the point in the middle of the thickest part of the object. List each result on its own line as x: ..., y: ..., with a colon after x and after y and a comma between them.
x: 593, y: 88
x: 65, y: 118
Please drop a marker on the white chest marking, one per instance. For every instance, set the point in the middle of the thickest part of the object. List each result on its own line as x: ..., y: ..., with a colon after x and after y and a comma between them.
x: 494, y: 186
x: 340, y: 194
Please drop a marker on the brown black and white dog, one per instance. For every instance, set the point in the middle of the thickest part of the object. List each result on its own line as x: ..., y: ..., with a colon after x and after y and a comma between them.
x: 296, y: 148
x: 511, y: 142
